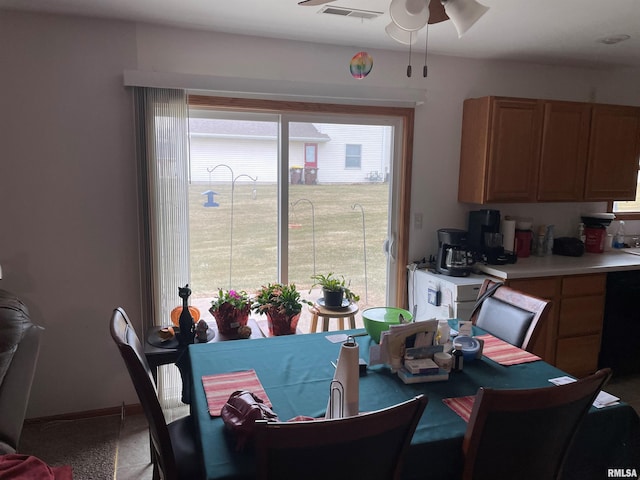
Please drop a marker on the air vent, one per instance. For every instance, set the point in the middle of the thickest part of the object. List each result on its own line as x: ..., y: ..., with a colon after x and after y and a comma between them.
x: 350, y: 12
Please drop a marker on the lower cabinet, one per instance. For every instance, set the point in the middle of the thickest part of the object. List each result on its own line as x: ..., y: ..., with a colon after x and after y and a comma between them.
x: 573, y: 331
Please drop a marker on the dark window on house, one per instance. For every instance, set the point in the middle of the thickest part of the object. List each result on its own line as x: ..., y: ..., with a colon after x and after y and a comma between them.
x: 353, y: 156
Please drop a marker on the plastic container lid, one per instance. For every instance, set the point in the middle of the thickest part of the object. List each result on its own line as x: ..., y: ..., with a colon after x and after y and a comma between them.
x: 470, y: 346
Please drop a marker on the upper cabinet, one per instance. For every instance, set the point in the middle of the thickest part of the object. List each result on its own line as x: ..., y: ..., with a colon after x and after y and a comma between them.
x: 518, y: 150
x: 614, y: 148
x: 500, y: 150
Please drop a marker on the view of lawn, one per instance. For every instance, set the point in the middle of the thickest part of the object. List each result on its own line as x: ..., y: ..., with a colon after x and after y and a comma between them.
x: 339, y: 241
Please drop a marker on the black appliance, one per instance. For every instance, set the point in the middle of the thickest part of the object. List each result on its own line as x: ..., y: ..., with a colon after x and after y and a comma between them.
x: 454, y: 257
x: 621, y: 325
x: 484, y: 240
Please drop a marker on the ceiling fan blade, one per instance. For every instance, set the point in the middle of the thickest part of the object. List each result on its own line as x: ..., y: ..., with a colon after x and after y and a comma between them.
x: 436, y: 12
x: 311, y: 3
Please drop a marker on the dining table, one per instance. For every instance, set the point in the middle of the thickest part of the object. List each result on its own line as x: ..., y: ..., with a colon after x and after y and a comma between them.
x: 295, y: 372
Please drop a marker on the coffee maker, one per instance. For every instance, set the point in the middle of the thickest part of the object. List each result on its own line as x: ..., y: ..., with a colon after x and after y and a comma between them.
x: 485, y: 239
x: 453, y: 255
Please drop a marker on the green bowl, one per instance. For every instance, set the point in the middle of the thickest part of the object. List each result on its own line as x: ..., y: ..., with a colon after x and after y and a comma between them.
x: 378, y: 319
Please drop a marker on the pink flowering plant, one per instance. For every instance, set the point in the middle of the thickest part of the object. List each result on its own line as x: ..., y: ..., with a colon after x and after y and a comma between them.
x: 237, y: 299
x: 282, y: 298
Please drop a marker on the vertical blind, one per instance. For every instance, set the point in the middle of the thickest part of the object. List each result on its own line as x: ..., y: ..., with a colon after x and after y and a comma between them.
x: 163, y: 153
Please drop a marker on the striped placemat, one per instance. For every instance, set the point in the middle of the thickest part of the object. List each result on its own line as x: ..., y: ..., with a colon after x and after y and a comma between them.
x: 504, y: 353
x: 461, y: 405
x: 219, y: 387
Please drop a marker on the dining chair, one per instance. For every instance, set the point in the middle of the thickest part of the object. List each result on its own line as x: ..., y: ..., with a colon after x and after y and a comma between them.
x: 511, y: 315
x: 371, y: 445
x: 526, y: 433
x: 174, y: 450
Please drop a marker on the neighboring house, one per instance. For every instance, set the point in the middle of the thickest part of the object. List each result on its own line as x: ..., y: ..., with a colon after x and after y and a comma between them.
x: 330, y: 153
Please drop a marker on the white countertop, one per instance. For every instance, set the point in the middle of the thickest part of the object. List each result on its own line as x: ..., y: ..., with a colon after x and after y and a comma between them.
x: 552, y: 265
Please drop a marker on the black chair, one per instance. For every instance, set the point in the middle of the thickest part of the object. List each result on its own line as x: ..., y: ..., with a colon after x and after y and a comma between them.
x: 511, y: 315
x: 525, y: 434
x: 175, y: 454
x: 371, y: 445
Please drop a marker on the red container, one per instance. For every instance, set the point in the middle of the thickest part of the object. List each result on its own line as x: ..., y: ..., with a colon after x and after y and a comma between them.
x: 523, y: 243
x: 594, y: 238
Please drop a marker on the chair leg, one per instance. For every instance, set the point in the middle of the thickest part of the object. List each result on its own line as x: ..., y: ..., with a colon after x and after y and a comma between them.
x: 352, y: 322
x: 341, y: 323
x: 156, y: 470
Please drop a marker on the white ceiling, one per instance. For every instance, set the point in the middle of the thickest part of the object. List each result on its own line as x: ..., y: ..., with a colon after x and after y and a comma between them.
x: 542, y: 31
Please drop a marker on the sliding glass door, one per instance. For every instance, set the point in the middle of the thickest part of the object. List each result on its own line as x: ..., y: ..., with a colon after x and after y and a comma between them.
x: 284, y: 196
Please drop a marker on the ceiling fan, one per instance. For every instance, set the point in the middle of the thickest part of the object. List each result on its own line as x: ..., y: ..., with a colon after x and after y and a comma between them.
x: 436, y: 9
x: 410, y: 16
x: 463, y: 13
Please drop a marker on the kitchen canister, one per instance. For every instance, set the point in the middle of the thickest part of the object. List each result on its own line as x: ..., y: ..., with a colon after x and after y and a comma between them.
x: 594, y: 238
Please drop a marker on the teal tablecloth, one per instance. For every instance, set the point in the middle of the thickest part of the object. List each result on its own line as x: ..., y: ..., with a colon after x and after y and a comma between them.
x: 296, y: 370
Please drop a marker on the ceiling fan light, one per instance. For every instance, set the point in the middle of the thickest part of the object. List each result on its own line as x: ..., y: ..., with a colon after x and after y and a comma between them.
x: 409, y: 15
x: 404, y: 37
x: 464, y: 13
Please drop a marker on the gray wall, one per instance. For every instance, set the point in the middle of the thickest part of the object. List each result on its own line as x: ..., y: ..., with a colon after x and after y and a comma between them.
x: 68, y: 201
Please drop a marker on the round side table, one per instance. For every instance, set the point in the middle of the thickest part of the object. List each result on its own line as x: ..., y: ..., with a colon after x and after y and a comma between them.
x: 327, y: 313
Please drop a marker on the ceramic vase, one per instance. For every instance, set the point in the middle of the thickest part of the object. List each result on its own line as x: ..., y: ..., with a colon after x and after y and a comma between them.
x: 282, y: 323
x: 229, y: 318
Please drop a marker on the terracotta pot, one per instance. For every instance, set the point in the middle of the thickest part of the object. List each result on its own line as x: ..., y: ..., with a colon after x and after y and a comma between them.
x: 228, y: 318
x: 281, y: 323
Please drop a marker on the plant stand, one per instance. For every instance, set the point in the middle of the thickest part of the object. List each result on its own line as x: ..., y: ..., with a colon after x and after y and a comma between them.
x: 348, y: 312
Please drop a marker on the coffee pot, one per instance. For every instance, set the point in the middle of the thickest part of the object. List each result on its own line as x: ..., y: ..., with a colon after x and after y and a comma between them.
x: 453, y: 256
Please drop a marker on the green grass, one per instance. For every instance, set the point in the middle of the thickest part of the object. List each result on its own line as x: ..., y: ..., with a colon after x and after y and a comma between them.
x: 338, y: 237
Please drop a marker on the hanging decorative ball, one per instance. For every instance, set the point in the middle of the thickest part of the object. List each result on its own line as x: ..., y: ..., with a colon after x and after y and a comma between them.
x: 361, y: 64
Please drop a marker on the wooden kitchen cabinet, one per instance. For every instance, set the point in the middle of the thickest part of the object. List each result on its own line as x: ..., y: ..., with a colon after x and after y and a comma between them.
x: 563, y: 151
x: 574, y: 326
x: 516, y: 150
x: 500, y: 149
x: 614, y: 149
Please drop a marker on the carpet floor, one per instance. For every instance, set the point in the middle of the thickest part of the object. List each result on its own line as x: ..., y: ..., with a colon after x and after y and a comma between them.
x: 89, y: 445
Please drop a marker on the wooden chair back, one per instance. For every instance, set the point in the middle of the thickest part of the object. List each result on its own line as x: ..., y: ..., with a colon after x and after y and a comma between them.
x: 133, y: 354
x: 371, y: 445
x: 539, y: 307
x: 525, y: 434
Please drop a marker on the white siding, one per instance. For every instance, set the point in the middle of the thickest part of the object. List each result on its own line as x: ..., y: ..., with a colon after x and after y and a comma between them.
x: 375, y: 141
x: 258, y: 157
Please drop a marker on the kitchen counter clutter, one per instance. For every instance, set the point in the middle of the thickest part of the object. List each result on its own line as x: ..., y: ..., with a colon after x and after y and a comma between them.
x: 553, y: 265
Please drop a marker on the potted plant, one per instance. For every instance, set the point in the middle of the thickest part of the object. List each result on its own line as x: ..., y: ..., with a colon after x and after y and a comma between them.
x: 231, y: 310
x: 281, y: 303
x: 334, y: 289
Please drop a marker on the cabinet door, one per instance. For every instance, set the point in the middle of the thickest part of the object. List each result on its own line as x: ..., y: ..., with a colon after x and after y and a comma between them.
x: 563, y: 156
x: 578, y: 355
x: 614, y: 148
x: 514, y: 150
x: 581, y: 316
